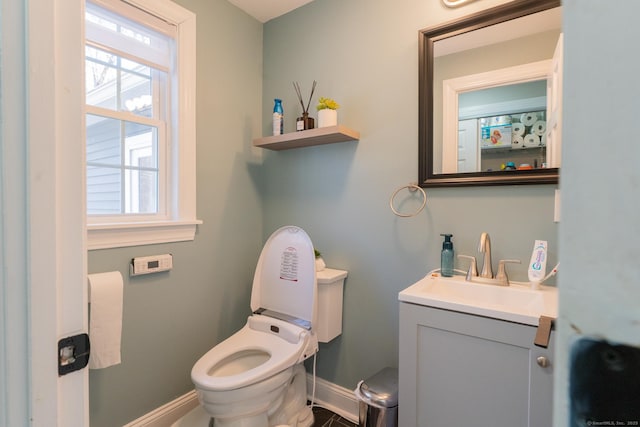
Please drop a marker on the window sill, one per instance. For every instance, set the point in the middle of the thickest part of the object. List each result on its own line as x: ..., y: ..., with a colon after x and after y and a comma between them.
x: 105, y: 236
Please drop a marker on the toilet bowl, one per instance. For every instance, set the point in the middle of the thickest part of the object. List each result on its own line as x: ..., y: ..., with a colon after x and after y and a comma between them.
x: 255, y: 378
x: 246, y: 376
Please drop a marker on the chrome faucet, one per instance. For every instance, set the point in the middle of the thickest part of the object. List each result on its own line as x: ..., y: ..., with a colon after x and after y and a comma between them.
x: 485, y: 247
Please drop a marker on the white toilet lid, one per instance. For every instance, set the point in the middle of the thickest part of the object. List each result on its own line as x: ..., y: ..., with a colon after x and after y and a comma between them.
x: 285, y: 277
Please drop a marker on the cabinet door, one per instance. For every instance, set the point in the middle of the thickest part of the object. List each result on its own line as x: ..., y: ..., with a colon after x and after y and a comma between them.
x: 458, y: 370
x: 541, y: 384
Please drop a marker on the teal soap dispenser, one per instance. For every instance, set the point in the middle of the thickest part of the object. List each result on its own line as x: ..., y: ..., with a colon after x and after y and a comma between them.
x: 446, y: 256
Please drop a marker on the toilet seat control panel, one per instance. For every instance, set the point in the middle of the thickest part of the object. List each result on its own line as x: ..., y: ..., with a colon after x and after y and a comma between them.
x: 151, y: 264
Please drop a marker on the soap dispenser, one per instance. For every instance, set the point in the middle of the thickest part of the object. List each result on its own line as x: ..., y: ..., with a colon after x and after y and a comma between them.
x: 446, y: 257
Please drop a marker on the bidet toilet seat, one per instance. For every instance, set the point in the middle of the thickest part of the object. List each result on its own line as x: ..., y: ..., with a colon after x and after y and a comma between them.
x: 256, y: 376
x: 285, y: 278
x: 259, y: 340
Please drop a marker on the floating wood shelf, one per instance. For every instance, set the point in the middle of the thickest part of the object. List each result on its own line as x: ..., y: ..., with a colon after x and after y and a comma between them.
x: 306, y: 138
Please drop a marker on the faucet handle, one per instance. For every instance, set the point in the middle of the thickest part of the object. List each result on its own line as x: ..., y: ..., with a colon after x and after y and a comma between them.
x: 501, y: 276
x: 484, y: 246
x: 473, y: 267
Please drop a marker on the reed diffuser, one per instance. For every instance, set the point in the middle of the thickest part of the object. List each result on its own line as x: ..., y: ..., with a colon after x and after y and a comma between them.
x: 305, y: 122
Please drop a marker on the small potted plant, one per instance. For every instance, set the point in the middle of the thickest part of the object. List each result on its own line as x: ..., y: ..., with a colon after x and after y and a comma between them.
x: 320, y: 265
x: 327, y: 112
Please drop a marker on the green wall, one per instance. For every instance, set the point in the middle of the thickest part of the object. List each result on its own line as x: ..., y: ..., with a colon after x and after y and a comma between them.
x: 365, y: 55
x: 171, y: 319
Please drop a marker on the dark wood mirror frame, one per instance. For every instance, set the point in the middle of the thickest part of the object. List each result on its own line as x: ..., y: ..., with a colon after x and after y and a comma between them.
x: 427, y: 37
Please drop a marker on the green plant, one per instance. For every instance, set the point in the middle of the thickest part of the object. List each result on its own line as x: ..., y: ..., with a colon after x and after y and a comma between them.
x: 327, y: 103
x: 317, y: 253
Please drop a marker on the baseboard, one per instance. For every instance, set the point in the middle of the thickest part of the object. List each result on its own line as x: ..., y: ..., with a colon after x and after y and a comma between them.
x: 168, y: 413
x: 335, y: 398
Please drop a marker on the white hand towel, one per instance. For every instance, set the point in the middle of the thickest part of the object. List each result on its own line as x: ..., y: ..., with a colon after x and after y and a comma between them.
x: 105, y: 318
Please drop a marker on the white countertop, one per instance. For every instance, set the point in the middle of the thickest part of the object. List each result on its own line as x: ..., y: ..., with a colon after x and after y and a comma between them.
x: 515, y: 303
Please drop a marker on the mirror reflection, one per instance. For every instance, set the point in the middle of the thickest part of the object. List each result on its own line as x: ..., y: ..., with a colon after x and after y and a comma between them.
x: 490, y: 99
x: 501, y: 128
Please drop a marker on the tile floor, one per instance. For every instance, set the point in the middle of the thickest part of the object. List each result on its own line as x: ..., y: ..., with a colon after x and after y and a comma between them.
x: 326, y: 418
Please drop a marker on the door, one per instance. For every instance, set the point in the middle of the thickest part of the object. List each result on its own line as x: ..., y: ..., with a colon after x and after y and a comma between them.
x: 43, y: 285
x: 554, y: 108
x: 57, y: 240
x: 468, y: 146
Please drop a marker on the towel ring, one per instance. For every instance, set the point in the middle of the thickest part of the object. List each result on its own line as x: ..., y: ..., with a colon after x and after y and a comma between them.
x: 411, y: 187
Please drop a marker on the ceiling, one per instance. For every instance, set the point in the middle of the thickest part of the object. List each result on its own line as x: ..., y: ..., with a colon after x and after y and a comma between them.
x: 265, y: 10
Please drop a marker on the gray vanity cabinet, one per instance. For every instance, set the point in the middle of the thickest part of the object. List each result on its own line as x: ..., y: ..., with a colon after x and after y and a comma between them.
x: 459, y: 370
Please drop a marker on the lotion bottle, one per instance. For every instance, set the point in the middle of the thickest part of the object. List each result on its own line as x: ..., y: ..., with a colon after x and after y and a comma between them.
x: 446, y: 256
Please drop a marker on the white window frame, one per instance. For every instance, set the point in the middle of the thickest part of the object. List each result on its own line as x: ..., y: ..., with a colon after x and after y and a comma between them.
x: 182, y: 222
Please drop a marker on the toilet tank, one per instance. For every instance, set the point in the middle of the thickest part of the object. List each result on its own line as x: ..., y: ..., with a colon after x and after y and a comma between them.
x: 330, y: 288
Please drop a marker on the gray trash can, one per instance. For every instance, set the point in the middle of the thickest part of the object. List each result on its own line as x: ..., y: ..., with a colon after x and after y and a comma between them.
x: 378, y: 399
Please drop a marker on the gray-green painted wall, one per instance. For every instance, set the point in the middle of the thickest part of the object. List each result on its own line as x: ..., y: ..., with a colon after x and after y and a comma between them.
x: 171, y: 319
x: 365, y: 55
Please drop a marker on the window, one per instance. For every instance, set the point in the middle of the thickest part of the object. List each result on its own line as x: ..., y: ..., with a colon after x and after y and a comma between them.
x: 140, y: 131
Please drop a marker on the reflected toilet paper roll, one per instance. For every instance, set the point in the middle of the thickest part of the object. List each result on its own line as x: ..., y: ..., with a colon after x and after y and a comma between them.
x: 517, y: 129
x: 539, y: 127
x: 528, y: 119
x: 531, y: 140
x: 105, y: 318
x: 517, y: 141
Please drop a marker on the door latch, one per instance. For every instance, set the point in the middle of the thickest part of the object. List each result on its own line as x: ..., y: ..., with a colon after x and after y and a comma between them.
x: 73, y: 353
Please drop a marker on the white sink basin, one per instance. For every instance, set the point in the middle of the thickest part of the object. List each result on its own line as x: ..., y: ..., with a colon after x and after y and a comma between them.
x: 515, y: 303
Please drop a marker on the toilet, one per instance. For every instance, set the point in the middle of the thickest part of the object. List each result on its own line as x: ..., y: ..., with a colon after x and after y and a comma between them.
x: 256, y: 378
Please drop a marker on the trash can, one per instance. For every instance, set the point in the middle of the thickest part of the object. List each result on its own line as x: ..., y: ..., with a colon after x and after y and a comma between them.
x: 378, y: 399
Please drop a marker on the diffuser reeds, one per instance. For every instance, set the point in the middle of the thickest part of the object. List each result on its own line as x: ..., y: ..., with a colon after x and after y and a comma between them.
x: 296, y: 86
x: 305, y: 122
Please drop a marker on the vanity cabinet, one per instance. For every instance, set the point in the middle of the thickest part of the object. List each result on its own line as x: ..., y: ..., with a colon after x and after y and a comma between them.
x: 458, y: 369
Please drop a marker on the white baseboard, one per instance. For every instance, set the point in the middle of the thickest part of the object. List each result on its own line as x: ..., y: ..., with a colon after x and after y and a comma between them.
x: 168, y: 413
x: 328, y: 395
x: 335, y: 398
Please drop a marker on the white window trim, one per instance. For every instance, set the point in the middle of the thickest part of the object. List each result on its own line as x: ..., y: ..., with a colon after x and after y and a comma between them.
x: 182, y: 227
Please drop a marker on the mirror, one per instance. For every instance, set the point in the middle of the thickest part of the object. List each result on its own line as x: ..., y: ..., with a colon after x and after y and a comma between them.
x: 489, y: 97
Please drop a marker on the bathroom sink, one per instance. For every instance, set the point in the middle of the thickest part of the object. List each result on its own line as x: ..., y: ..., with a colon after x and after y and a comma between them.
x: 516, y: 303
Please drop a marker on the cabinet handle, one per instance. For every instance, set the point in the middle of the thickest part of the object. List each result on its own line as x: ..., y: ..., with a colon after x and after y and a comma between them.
x: 543, y: 361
